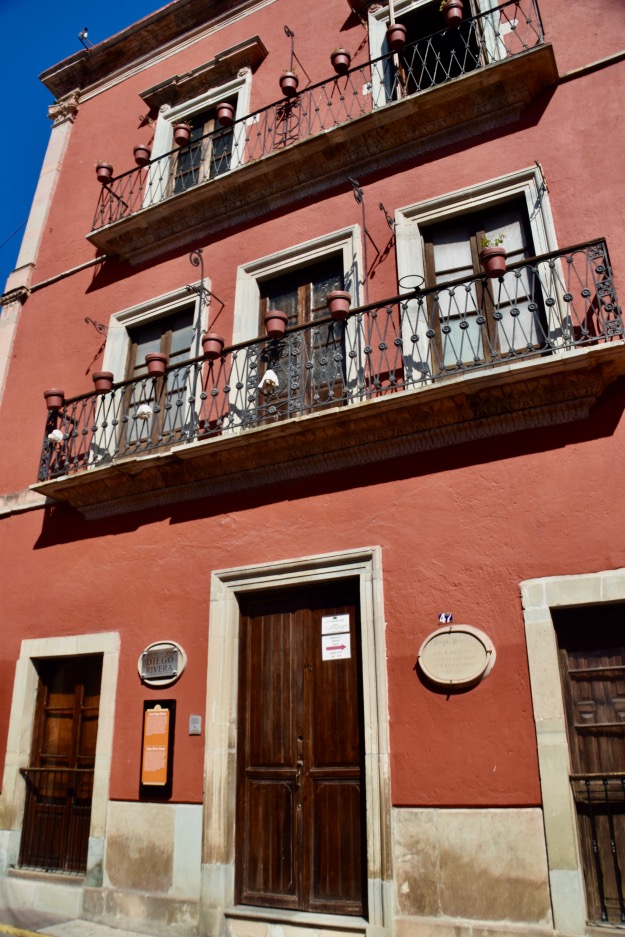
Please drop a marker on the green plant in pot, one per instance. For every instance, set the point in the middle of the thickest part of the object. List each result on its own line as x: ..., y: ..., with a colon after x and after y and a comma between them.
x: 453, y: 12
x: 493, y: 256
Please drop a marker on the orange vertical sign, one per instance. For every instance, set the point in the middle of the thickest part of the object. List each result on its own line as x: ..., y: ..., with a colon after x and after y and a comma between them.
x: 155, y: 756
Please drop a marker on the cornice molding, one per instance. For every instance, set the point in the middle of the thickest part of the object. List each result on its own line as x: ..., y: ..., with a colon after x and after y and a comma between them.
x: 18, y: 295
x: 227, y: 64
x: 142, y: 43
x: 66, y: 108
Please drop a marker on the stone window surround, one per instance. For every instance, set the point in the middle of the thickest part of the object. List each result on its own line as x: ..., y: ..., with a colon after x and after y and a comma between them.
x: 539, y: 596
x: 528, y: 183
x: 168, y: 116
x: 220, y: 780
x: 117, y: 339
x: 346, y: 241
x: 19, y: 741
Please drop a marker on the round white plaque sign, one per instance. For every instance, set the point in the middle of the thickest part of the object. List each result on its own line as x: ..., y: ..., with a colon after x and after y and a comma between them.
x: 457, y: 656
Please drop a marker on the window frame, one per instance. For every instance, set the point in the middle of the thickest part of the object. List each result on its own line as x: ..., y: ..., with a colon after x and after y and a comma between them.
x: 347, y: 241
x: 528, y: 183
x: 118, y: 340
x: 158, y: 188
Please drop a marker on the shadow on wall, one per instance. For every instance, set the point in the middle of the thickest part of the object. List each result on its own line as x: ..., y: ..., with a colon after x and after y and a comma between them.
x: 64, y: 524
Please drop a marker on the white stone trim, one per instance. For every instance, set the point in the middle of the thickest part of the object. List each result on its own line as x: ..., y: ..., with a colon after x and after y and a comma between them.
x: 539, y: 596
x: 158, y: 183
x: 117, y: 340
x: 221, y: 722
x: 347, y: 241
x: 19, y: 741
x: 527, y: 182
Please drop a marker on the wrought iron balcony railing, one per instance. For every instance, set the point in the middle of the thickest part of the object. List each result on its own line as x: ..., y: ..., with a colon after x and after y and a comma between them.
x: 484, y: 39
x: 542, y: 306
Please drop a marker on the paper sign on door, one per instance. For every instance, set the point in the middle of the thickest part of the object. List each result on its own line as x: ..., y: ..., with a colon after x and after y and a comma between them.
x: 333, y: 624
x: 335, y: 646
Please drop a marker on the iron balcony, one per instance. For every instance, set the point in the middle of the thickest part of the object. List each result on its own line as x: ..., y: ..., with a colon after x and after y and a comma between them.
x: 447, y: 85
x: 464, y: 359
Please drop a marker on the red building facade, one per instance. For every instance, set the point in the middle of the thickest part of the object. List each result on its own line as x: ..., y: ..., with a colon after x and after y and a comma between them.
x: 233, y: 694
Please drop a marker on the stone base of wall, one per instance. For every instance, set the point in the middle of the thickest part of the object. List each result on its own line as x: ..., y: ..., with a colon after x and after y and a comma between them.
x: 41, y: 891
x: 144, y: 913
x: 472, y: 868
x: 435, y: 927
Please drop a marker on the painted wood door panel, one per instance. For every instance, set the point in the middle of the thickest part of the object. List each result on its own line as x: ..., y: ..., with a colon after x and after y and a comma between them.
x: 300, y: 811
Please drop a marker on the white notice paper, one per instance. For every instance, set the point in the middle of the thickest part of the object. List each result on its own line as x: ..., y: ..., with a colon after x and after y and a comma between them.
x: 332, y: 624
x: 335, y: 646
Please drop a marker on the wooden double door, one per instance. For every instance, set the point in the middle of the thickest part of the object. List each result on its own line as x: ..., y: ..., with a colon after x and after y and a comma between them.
x: 300, y: 799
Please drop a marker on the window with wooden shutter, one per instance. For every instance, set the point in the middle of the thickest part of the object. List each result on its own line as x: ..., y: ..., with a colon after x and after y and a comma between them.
x: 481, y: 319
x: 313, y: 370
x: 209, y: 153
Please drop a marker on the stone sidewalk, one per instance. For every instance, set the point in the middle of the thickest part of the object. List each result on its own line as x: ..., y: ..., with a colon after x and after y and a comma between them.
x: 32, y: 924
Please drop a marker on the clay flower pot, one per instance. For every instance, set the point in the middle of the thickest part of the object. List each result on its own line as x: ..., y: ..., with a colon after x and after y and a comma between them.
x: 396, y: 36
x: 493, y: 259
x: 104, y: 173
x: 453, y: 12
x: 213, y: 345
x: 288, y: 83
x: 341, y: 60
x: 338, y: 303
x: 142, y: 154
x: 182, y: 133
x: 103, y: 381
x: 55, y: 398
x: 276, y: 323
x: 225, y: 114
x: 156, y: 362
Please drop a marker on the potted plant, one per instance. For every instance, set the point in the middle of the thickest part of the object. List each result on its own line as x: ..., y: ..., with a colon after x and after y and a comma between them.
x: 225, y: 113
x: 55, y: 398
x: 156, y: 362
x: 142, y: 154
x: 182, y: 133
x: 338, y: 303
x: 396, y: 36
x: 288, y: 83
x: 104, y: 172
x: 341, y: 60
x: 453, y: 12
x: 212, y: 345
x: 493, y: 256
x: 103, y: 381
x: 276, y: 323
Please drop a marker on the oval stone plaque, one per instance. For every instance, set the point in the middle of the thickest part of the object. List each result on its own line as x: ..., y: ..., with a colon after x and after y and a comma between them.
x: 458, y: 655
x: 161, y: 663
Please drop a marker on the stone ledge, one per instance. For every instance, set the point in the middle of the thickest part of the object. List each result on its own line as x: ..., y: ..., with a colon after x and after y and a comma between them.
x: 542, y: 392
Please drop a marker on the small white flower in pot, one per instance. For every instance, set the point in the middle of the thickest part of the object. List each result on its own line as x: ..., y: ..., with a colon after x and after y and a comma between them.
x: 56, y: 436
x: 269, y: 382
x: 144, y: 411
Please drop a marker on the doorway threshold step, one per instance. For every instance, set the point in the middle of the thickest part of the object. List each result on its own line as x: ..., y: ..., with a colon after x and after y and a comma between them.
x: 248, y: 921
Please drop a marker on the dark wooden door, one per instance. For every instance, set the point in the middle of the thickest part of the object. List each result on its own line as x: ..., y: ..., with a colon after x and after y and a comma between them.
x: 59, y: 779
x: 300, y: 800
x: 592, y: 664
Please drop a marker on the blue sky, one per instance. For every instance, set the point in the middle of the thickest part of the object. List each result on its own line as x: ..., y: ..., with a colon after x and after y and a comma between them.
x: 36, y: 35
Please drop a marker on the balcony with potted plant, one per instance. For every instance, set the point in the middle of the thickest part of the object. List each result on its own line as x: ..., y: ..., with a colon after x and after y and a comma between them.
x: 360, y: 114
x: 537, y: 346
